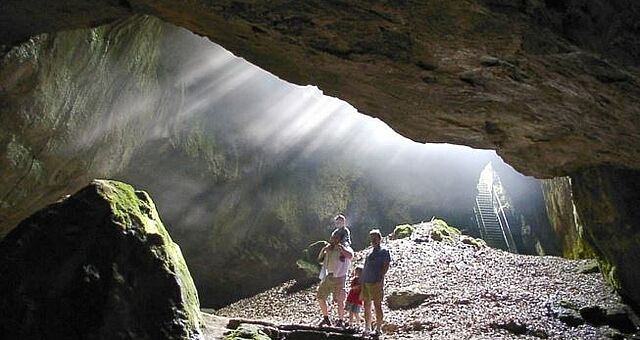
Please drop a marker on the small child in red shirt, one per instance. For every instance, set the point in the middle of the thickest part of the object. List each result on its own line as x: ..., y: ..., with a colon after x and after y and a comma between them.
x: 354, y: 304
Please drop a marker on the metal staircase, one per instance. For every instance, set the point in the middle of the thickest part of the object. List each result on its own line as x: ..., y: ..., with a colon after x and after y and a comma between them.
x: 490, y: 216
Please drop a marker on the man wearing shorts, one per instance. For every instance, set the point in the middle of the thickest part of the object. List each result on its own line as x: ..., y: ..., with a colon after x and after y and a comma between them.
x: 336, y: 261
x: 375, y: 268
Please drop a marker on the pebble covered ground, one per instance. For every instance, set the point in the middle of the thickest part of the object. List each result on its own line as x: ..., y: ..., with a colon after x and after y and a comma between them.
x: 471, y: 292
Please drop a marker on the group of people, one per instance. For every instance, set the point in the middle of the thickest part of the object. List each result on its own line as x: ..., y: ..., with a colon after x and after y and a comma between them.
x: 366, y: 284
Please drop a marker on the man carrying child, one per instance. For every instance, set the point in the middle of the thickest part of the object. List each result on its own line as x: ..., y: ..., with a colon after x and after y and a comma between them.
x: 336, y: 261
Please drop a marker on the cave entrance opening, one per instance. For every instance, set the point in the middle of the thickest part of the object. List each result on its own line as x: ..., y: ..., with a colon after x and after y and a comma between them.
x: 251, y: 170
x: 246, y: 170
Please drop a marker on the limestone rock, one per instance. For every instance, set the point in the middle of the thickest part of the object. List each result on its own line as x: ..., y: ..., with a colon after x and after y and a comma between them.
x: 589, y: 267
x: 472, y: 241
x: 568, y: 227
x: 406, y: 298
x: 616, y: 316
x: 569, y: 316
x: 441, y: 231
x: 573, y: 84
x: 402, y: 231
x: 247, y: 331
x: 569, y: 103
x: 607, y: 201
x: 98, y: 264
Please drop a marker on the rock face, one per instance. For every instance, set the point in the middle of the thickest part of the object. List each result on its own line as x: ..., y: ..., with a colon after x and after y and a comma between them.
x: 568, y: 227
x: 595, y: 215
x: 545, y: 84
x: 113, y: 102
x: 552, y: 86
x: 98, y: 264
x: 607, y: 201
x: 69, y: 114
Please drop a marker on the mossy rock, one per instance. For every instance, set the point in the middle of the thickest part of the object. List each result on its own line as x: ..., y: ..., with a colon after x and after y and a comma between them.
x: 441, y: 231
x: 402, y: 231
x: 247, y: 332
x: 98, y: 264
x: 472, y: 241
x: 308, y: 264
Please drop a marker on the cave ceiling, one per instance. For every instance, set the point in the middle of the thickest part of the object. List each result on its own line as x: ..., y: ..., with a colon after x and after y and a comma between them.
x: 552, y: 86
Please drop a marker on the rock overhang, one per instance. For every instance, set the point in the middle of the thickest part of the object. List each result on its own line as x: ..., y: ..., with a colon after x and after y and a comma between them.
x: 521, y: 79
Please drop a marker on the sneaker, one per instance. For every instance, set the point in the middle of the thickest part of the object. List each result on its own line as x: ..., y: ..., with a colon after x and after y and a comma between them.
x: 325, y: 322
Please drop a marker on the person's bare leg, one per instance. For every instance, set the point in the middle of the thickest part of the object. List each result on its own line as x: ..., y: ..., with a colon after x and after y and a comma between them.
x: 324, y: 309
x: 340, y: 303
x: 367, y: 315
x: 377, y: 304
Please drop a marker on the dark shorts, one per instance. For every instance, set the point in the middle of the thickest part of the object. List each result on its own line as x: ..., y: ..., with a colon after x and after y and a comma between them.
x: 351, y: 307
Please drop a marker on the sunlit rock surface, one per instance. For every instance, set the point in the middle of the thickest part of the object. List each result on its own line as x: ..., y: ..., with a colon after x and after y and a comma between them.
x: 469, y: 292
x: 568, y: 227
x: 74, y: 106
x: 96, y: 265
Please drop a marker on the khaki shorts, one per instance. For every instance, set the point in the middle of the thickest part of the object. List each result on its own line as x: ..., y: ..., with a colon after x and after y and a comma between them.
x: 333, y: 285
x: 371, y: 291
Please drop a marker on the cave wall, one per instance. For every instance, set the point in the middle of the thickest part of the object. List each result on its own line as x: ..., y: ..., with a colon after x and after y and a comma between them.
x: 115, y: 102
x: 567, y: 224
x: 594, y: 213
x: 434, y: 71
x: 607, y: 201
x: 74, y: 105
x: 553, y: 86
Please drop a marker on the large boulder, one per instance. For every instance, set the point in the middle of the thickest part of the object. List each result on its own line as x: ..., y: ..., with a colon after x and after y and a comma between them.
x: 96, y: 265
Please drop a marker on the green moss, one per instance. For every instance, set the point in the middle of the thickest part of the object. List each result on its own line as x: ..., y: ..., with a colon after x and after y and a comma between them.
x: 135, y: 211
x: 475, y: 242
x: 441, y: 231
x: 248, y: 332
x: 308, y: 263
x: 578, y: 249
x: 402, y: 231
x: 610, y: 274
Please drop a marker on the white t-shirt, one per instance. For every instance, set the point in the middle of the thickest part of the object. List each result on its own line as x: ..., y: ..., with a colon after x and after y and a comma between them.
x: 332, y: 263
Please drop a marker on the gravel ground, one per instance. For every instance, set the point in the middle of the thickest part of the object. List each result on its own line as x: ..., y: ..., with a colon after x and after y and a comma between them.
x: 479, y: 293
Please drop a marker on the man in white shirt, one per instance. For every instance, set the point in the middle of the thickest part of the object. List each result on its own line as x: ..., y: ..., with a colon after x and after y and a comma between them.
x: 336, y: 261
